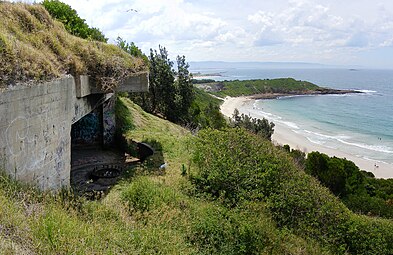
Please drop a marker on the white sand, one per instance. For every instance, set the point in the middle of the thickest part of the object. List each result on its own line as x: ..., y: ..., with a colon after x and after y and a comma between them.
x: 284, y: 135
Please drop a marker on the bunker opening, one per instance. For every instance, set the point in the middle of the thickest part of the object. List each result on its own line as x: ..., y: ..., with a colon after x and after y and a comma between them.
x: 98, y: 158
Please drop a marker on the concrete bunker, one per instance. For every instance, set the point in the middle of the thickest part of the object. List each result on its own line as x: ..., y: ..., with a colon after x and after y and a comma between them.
x: 42, y: 91
x: 37, y: 126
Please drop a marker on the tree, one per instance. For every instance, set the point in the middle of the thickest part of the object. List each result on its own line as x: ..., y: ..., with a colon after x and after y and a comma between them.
x: 261, y: 127
x: 214, y: 118
x: 72, y: 22
x: 162, y: 88
x: 185, y: 88
x: 341, y: 176
x: 236, y: 117
x: 171, y: 93
x: 131, y: 48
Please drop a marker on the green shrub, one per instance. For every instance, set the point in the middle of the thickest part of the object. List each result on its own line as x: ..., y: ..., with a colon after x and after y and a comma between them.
x: 217, y: 230
x: 235, y: 165
x: 72, y: 22
x: 341, y: 176
x: 297, y: 155
x: 144, y: 195
x: 301, y: 204
x: 360, y: 192
x: 260, y: 127
x: 370, y: 236
x: 368, y: 205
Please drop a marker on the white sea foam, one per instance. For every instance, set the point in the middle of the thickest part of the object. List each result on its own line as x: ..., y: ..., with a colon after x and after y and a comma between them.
x: 268, y: 115
x: 346, y: 140
x: 316, y: 141
x: 333, y: 137
x: 369, y: 159
x: 290, y: 124
x: 378, y: 148
x: 365, y: 91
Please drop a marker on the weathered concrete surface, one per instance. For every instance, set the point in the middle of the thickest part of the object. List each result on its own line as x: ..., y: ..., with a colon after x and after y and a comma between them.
x: 136, y: 83
x: 35, y: 127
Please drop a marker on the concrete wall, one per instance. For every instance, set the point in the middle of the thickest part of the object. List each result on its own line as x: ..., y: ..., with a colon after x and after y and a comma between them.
x: 35, y: 127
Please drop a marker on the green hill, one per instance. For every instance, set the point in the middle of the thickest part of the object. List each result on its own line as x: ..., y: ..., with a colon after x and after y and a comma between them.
x: 266, y: 88
x: 223, y: 192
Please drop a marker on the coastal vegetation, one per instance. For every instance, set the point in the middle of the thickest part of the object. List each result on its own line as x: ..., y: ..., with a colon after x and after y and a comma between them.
x: 225, y: 188
x: 253, y: 170
x: 74, y: 24
x: 265, y: 88
x: 171, y: 92
x: 261, y: 127
x: 239, y: 195
x: 359, y: 190
x: 205, y: 112
x: 149, y: 212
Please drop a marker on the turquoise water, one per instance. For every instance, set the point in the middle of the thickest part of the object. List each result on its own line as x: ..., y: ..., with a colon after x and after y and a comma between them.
x: 359, y: 124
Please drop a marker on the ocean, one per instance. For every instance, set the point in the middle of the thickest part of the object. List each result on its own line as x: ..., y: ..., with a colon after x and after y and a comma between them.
x: 358, y: 124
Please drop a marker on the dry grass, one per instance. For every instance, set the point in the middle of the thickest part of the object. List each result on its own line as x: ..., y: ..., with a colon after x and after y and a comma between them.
x: 34, y: 47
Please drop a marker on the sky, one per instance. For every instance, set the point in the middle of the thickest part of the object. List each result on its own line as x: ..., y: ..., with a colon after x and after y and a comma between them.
x: 335, y: 32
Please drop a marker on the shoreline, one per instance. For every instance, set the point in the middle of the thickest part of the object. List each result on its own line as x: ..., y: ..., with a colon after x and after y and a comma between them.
x: 284, y: 135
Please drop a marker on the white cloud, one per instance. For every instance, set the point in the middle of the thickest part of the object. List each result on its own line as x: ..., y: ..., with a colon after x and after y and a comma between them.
x: 298, y: 30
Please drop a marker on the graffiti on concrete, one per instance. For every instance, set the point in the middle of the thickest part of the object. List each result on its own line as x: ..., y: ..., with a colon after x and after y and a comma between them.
x: 29, y: 140
x: 109, y: 122
x: 87, y: 130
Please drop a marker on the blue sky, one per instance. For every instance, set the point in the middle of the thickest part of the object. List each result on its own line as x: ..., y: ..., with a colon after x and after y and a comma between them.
x: 338, y: 32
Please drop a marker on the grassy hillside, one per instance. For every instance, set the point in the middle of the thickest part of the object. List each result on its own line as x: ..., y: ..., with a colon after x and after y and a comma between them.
x: 252, y: 87
x: 34, y: 47
x: 223, y: 192
x: 267, y: 88
x: 203, y: 98
x: 151, y: 212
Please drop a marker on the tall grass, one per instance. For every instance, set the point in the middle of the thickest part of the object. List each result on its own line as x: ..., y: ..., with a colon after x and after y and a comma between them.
x: 34, y: 47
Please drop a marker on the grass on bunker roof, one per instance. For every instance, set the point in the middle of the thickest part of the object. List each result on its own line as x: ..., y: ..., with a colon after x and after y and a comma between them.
x: 35, y: 48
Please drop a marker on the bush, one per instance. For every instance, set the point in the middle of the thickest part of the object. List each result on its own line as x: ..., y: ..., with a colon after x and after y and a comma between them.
x: 370, y: 236
x: 361, y: 192
x: 237, y: 167
x: 341, y: 176
x: 72, y: 22
x: 216, y: 230
x: 144, y: 195
x: 367, y: 205
x: 260, y: 127
x: 301, y: 204
x: 234, y: 165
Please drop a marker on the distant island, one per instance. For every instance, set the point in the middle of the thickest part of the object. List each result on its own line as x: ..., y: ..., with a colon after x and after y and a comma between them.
x: 265, y: 88
x: 199, y: 74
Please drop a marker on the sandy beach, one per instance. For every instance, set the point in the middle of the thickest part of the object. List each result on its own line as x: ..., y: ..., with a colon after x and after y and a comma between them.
x: 284, y: 135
